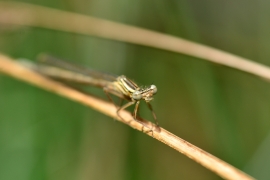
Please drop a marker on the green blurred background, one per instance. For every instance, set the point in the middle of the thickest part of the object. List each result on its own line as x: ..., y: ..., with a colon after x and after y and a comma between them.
x: 221, y: 110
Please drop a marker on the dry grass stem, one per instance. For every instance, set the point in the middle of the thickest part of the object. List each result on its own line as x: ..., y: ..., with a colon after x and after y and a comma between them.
x: 221, y: 168
x: 37, y: 16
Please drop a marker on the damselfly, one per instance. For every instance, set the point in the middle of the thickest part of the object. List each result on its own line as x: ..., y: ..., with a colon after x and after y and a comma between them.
x: 120, y: 86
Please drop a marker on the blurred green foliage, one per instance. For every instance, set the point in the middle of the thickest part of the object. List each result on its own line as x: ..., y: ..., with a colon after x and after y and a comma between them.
x: 219, y: 109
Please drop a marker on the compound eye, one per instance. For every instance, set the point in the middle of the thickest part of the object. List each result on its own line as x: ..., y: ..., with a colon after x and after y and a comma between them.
x: 154, y: 89
x: 137, y: 95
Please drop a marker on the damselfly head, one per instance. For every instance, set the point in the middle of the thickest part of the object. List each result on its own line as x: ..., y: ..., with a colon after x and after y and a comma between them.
x: 147, y: 93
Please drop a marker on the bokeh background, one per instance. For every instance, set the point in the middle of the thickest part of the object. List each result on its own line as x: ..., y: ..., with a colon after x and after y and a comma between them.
x: 221, y: 110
